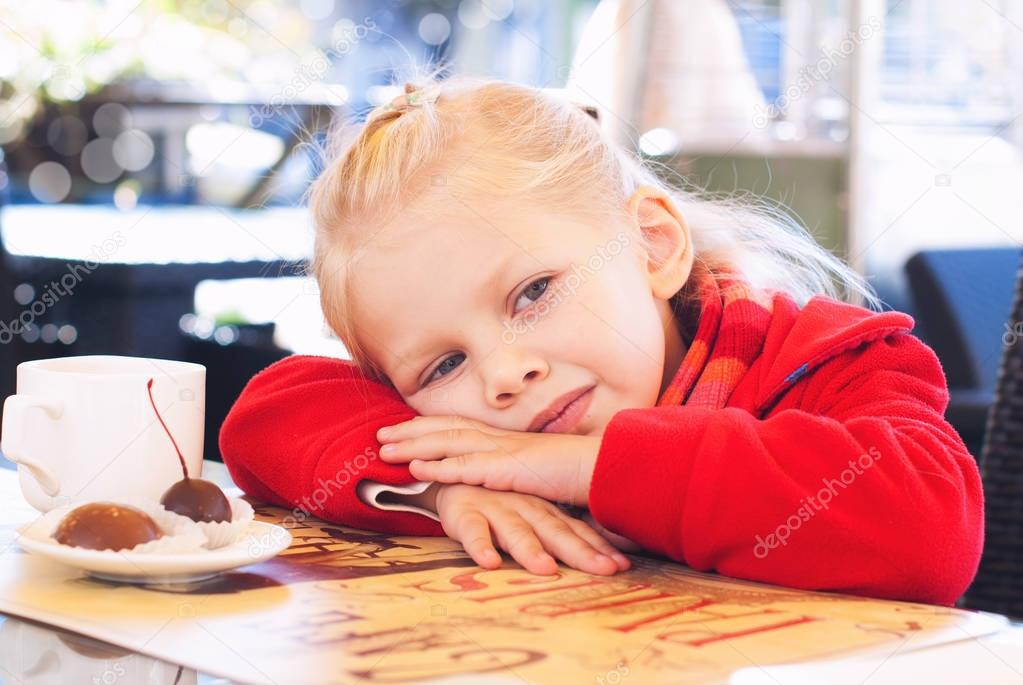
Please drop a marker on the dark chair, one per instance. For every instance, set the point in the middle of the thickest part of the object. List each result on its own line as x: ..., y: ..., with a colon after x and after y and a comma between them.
x: 960, y: 300
x: 229, y: 366
x: 999, y: 583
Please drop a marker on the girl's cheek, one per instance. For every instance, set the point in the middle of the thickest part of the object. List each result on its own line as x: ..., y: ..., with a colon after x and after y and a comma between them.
x: 442, y: 400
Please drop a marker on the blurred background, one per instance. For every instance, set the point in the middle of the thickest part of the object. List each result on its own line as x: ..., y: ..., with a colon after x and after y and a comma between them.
x: 153, y: 154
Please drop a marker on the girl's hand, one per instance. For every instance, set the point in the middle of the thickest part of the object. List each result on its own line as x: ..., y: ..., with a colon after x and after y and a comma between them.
x: 453, y: 449
x: 622, y: 543
x: 531, y: 529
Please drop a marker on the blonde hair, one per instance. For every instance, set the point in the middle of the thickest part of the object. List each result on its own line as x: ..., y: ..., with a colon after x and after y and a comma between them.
x: 506, y: 139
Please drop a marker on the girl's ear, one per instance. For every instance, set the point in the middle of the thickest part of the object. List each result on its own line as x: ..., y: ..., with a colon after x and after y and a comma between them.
x: 669, y: 262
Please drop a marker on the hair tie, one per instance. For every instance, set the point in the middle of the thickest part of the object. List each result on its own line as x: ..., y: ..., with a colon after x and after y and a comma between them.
x: 412, y: 97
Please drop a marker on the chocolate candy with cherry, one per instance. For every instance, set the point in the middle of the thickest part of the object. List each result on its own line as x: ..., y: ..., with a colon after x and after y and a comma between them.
x: 200, y: 500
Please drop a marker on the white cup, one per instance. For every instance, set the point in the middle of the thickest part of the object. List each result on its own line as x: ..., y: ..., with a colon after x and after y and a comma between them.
x: 82, y: 429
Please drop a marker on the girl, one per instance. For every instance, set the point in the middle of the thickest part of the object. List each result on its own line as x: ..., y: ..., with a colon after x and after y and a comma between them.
x: 566, y: 328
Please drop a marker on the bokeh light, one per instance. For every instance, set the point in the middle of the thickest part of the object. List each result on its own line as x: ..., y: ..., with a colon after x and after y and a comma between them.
x: 24, y: 293
x: 126, y: 196
x: 65, y: 83
x: 67, y: 334
x: 48, y: 333
x: 434, y: 28
x: 67, y: 134
x: 49, y: 182
x: 133, y: 149
x: 110, y: 119
x: 471, y: 14
x: 30, y: 333
x: 98, y: 161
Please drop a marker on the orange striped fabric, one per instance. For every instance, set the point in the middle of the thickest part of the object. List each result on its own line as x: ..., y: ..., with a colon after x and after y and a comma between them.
x: 733, y: 322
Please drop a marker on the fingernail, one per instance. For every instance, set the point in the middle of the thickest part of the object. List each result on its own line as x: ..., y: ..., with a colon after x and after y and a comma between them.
x: 384, y: 432
x: 601, y: 557
x: 388, y: 449
x: 621, y: 559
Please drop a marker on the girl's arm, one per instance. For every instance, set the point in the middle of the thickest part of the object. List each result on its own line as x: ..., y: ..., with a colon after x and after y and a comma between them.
x: 853, y: 482
x: 302, y: 435
x: 421, y: 497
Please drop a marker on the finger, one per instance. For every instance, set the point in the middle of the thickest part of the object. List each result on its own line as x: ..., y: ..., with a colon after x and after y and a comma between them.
x: 506, y: 471
x: 599, y: 542
x: 519, y: 539
x: 562, y: 540
x: 621, y: 543
x: 490, y: 470
x: 591, y: 530
x: 473, y: 531
x: 421, y: 425
x: 449, y: 442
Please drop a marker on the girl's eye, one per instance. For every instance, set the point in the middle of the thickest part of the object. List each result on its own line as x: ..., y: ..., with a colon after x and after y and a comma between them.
x: 534, y: 291
x: 444, y: 368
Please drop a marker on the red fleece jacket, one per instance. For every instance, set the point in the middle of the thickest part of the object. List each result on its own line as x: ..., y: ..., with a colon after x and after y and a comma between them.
x: 847, y: 480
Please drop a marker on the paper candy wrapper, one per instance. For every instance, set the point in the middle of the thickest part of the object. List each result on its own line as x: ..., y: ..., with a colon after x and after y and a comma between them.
x: 215, y: 535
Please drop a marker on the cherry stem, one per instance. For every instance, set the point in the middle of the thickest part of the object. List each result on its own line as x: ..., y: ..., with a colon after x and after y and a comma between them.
x: 149, y: 389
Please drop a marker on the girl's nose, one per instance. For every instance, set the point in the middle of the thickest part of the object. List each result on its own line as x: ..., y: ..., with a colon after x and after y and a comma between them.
x: 505, y: 396
x: 506, y: 376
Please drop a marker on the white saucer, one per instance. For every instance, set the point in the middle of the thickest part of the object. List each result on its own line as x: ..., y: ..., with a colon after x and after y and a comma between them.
x: 260, y: 542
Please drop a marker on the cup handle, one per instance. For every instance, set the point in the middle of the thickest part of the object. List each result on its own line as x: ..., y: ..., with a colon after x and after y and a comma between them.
x: 15, y: 408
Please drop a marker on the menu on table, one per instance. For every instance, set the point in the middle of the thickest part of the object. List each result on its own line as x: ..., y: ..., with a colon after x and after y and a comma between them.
x: 343, y: 605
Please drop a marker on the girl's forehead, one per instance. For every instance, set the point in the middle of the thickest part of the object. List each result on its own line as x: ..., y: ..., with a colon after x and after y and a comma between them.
x: 446, y: 256
x: 489, y: 230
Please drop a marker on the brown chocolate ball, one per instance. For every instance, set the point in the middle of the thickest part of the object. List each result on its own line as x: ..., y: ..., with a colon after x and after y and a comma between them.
x: 106, y: 525
x: 198, y: 499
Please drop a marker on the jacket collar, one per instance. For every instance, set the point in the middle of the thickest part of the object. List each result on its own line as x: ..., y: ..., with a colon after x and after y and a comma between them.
x: 739, y: 330
x: 801, y: 340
